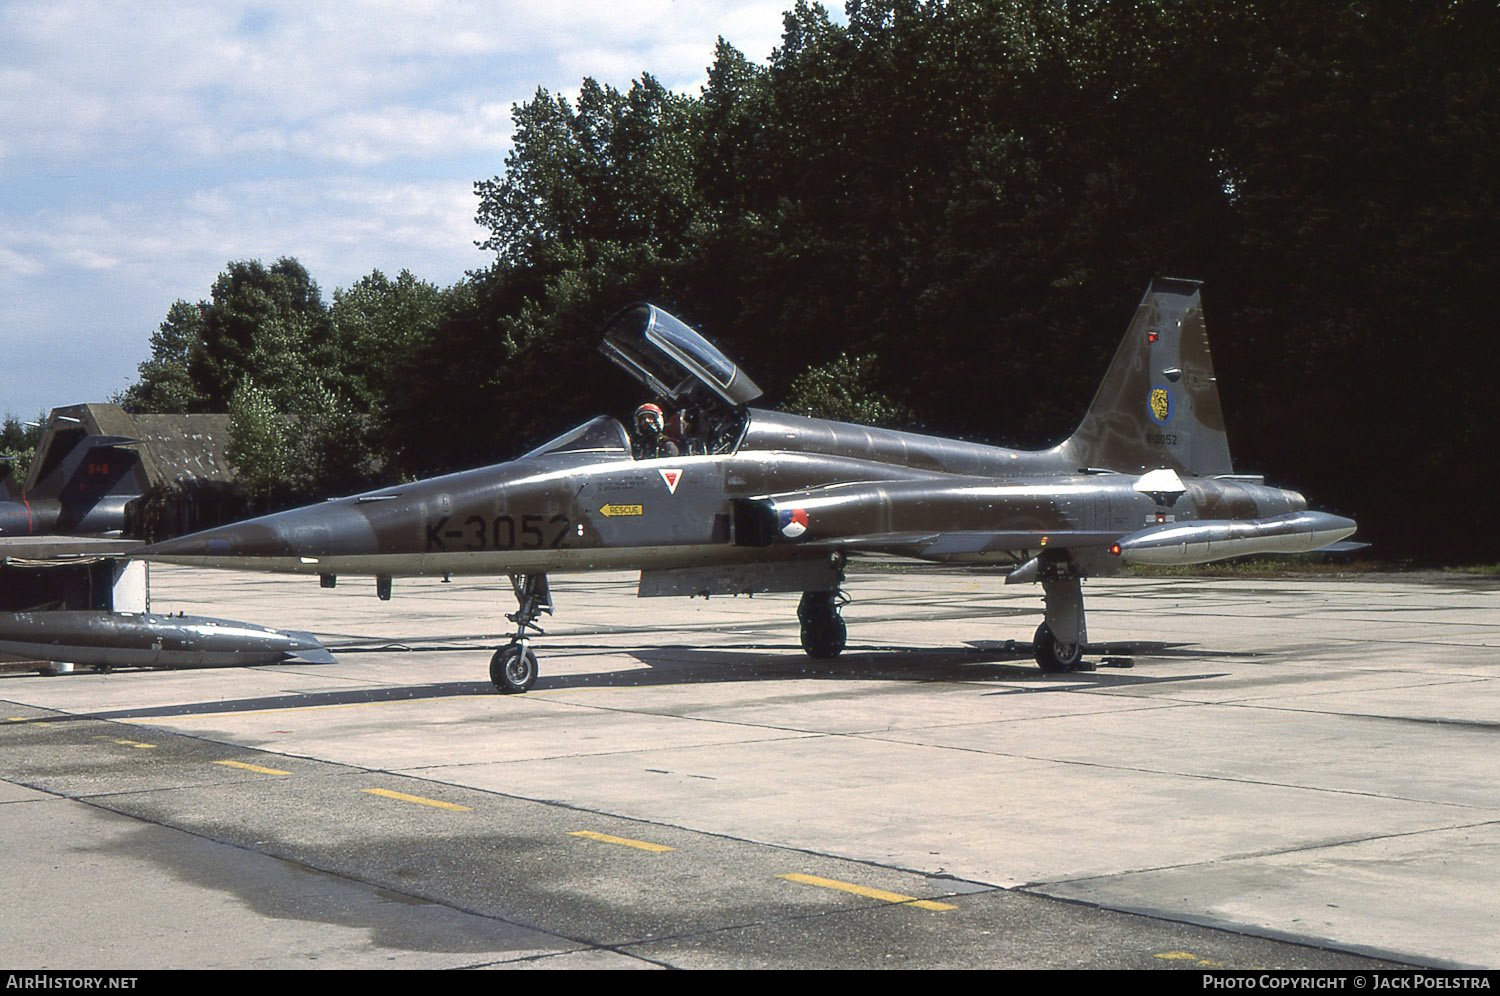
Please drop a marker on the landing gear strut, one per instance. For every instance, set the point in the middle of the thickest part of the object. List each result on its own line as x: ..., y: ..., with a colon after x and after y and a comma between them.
x: 1059, y: 640
x: 823, y: 630
x: 514, y: 667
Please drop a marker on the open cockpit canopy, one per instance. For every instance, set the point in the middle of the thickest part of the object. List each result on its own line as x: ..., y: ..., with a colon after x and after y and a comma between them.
x: 671, y: 359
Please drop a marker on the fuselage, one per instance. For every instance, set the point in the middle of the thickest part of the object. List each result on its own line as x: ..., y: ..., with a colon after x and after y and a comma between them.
x: 583, y: 503
x: 27, y: 517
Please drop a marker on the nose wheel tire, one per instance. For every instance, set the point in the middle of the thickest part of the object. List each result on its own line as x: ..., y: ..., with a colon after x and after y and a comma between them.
x: 513, y: 668
x: 1054, y: 657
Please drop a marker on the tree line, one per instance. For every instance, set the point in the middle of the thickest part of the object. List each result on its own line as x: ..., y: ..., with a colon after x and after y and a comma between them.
x: 940, y: 216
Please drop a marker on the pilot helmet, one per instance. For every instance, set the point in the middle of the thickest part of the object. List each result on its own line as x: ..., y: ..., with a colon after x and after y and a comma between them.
x: 648, y: 418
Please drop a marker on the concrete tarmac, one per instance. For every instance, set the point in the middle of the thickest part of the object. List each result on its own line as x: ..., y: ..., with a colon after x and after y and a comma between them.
x: 1260, y: 774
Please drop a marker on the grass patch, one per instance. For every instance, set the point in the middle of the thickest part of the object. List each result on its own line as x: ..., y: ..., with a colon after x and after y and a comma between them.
x: 1475, y: 570
x: 1291, y: 565
x: 1309, y: 565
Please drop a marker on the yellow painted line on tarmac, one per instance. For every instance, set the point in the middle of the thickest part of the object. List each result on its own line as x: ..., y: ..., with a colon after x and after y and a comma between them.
x: 640, y: 845
x: 127, y: 743
x: 493, y: 696
x: 868, y: 893
x: 252, y: 767
x: 1188, y: 956
x: 435, y: 803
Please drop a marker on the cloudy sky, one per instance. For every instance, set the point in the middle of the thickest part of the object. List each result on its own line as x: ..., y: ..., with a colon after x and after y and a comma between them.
x: 144, y: 145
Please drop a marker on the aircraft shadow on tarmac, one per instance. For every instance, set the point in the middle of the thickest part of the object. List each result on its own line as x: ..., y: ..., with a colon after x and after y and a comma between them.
x: 683, y: 664
x: 1008, y: 661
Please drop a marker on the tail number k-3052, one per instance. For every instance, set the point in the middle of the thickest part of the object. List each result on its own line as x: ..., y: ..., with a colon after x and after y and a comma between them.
x: 503, y: 532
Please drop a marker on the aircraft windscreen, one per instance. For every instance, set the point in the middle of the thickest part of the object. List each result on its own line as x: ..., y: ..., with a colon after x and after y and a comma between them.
x: 599, y: 435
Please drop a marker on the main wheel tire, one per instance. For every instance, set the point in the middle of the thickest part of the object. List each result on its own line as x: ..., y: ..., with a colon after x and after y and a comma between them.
x: 513, y: 668
x: 824, y: 636
x: 1054, y: 657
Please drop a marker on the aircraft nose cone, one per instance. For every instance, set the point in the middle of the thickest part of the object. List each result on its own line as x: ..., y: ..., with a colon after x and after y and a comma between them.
x: 247, y: 539
x: 290, y: 538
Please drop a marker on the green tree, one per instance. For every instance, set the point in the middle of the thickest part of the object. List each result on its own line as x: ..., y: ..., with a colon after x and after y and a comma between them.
x: 266, y: 322
x: 17, y: 449
x: 378, y: 324
x: 258, y: 315
x: 841, y: 391
x: 313, y: 384
x: 260, y: 438
x: 165, y: 384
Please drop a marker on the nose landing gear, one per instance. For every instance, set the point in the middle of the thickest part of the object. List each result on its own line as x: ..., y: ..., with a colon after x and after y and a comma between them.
x: 514, y: 667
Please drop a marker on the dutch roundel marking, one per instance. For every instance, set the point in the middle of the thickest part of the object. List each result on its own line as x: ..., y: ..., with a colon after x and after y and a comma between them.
x: 670, y: 478
x: 1161, y: 405
x: 793, y: 522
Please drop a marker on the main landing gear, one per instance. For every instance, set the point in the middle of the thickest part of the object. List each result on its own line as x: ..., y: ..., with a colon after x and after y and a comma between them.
x: 823, y: 630
x: 1059, y: 640
x: 514, y: 667
x: 1052, y: 655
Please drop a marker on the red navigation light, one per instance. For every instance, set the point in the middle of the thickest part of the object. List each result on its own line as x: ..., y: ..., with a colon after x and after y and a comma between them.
x: 1115, y: 549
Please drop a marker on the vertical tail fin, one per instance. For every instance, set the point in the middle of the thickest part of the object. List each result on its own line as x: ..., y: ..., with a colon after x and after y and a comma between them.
x: 1158, y: 405
x: 93, y: 483
x: 95, y: 466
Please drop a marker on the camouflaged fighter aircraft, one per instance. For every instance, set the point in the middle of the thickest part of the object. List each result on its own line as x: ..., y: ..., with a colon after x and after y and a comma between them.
x: 762, y: 501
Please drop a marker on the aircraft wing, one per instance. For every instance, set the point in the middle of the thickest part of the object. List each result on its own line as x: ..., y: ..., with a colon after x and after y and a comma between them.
x: 51, y: 549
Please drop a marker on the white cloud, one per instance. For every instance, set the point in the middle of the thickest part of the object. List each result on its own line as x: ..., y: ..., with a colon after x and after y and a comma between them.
x: 81, y: 292
x: 332, y: 224
x: 405, y: 132
x: 145, y: 145
x: 194, y: 80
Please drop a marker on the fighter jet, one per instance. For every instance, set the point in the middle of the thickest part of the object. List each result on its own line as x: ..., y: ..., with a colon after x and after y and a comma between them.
x: 748, y: 500
x: 83, y: 492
